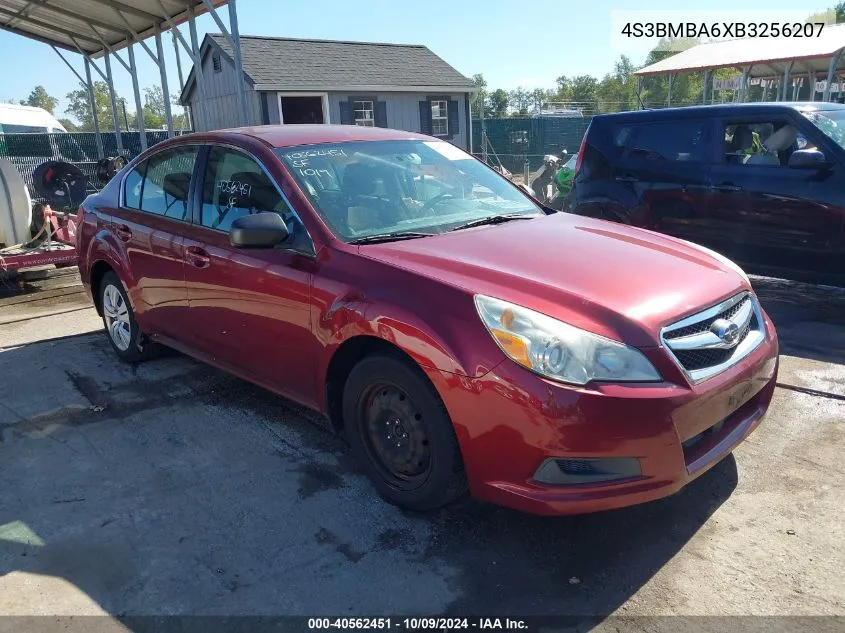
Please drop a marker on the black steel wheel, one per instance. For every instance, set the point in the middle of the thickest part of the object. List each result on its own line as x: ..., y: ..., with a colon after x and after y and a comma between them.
x: 401, y: 433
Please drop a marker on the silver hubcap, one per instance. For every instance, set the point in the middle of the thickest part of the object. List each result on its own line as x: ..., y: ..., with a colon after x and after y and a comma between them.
x: 116, y: 315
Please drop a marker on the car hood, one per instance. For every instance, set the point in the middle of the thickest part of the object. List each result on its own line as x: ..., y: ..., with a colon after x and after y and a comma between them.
x: 614, y: 280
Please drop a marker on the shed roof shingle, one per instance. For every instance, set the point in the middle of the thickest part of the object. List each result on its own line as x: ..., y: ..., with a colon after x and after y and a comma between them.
x: 298, y: 64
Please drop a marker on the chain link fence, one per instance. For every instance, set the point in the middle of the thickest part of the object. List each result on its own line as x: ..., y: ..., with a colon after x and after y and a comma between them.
x: 28, y: 151
x: 519, y: 141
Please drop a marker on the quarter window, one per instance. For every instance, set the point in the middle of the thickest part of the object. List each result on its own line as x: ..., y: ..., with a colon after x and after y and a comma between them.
x: 235, y: 186
x: 132, y: 187
x: 676, y: 141
x: 440, y: 118
x: 362, y: 113
x: 166, y: 182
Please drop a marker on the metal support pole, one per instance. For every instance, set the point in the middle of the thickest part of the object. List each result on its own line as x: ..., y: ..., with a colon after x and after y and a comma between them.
x: 162, y: 66
x: 93, y: 102
x: 639, y: 92
x: 67, y: 63
x: 831, y: 68
x: 118, y: 137
x: 181, y: 80
x: 669, y: 96
x: 139, y: 108
x: 239, y: 66
x: 704, y: 87
x: 198, y: 74
x: 743, y: 91
x: 786, y: 71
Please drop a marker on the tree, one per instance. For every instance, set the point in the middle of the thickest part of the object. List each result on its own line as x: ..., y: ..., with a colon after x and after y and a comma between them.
x: 80, y: 110
x: 497, y: 104
x: 479, y: 101
x: 520, y: 99
x: 39, y: 98
x: 69, y: 125
x: 584, y: 89
x: 564, y: 88
x: 539, y: 97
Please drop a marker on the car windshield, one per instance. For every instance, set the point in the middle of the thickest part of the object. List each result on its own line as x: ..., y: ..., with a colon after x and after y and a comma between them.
x: 413, y: 187
x: 831, y: 122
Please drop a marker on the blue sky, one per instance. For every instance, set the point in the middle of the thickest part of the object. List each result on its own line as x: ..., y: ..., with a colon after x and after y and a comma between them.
x: 498, y: 38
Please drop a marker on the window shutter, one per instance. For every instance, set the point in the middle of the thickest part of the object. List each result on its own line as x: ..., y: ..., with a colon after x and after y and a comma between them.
x: 346, y: 113
x: 425, y: 117
x: 380, y: 113
x: 454, y: 118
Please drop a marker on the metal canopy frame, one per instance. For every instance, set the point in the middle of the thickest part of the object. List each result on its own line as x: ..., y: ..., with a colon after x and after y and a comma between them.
x: 97, y: 29
x: 772, y: 58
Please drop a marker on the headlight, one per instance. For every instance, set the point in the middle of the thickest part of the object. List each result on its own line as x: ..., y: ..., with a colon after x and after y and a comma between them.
x: 558, y: 350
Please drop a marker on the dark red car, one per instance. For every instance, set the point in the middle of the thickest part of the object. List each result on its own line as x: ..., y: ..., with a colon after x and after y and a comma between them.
x: 461, y: 336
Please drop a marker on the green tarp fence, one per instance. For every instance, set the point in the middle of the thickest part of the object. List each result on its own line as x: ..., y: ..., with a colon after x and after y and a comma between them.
x: 516, y: 139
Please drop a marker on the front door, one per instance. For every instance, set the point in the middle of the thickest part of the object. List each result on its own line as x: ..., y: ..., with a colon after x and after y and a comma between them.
x: 782, y: 220
x: 250, y: 308
x: 150, y: 222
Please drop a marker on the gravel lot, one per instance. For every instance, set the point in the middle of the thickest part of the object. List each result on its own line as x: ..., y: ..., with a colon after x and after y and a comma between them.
x: 173, y: 488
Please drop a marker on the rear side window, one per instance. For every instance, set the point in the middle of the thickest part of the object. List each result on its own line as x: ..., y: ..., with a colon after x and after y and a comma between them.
x: 674, y: 141
x: 166, y: 181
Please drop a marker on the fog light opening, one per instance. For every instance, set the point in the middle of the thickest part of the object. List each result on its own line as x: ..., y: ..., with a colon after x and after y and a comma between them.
x: 560, y: 470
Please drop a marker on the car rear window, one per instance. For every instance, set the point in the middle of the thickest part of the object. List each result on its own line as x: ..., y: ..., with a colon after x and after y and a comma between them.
x: 676, y: 141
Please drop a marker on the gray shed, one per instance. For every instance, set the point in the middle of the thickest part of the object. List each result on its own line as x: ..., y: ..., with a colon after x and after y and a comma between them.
x: 405, y: 87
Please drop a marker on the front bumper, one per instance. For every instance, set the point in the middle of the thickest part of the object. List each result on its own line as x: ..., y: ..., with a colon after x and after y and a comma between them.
x: 510, y: 421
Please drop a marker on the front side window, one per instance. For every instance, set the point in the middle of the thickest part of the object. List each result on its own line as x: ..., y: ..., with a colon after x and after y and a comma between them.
x: 439, y: 118
x: 765, y: 142
x: 367, y: 189
x: 675, y: 141
x: 234, y: 186
x: 362, y: 113
x: 167, y: 179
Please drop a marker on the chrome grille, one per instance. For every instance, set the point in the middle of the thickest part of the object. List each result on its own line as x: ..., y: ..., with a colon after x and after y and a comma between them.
x: 713, y: 340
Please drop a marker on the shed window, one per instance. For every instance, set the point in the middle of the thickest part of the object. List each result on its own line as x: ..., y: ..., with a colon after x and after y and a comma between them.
x: 439, y: 118
x: 215, y: 62
x: 362, y: 113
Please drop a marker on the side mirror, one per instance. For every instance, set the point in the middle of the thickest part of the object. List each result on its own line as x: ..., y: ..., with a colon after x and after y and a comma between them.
x: 807, y: 159
x: 262, y: 230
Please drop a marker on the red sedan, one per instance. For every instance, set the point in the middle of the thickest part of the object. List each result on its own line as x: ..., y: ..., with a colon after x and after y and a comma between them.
x: 462, y: 337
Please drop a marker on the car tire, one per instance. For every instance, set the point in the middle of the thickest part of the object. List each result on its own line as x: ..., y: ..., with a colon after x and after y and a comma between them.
x: 127, y: 340
x: 401, y: 433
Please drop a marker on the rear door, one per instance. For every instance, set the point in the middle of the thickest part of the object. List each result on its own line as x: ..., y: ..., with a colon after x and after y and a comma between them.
x: 781, y: 220
x: 154, y: 214
x: 250, y: 308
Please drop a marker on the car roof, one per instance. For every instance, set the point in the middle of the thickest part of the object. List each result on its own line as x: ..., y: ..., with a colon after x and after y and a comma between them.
x: 291, y: 135
x: 724, y: 109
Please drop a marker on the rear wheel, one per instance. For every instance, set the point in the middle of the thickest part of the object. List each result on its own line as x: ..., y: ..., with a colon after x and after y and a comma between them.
x: 126, y: 338
x: 401, y: 433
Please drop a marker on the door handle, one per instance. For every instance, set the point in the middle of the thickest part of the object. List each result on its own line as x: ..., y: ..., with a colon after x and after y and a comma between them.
x: 123, y: 232
x: 726, y: 186
x: 627, y: 178
x: 197, y: 257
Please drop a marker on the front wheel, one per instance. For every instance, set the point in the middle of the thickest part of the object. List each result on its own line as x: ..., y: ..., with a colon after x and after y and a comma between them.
x: 126, y: 338
x: 401, y: 434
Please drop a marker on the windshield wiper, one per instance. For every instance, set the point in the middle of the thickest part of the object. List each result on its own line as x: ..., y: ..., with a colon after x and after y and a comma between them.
x: 389, y: 237
x: 493, y: 219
